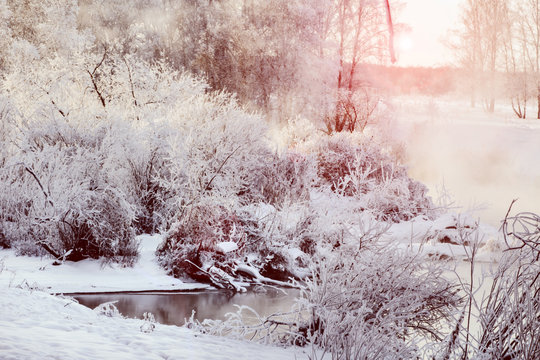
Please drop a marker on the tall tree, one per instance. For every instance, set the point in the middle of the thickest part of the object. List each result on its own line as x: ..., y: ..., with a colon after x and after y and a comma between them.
x: 517, y: 67
x: 529, y: 13
x: 362, y: 35
x: 481, y: 43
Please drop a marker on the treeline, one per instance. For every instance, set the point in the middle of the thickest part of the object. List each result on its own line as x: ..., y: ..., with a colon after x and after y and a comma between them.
x: 284, y: 58
x: 120, y: 118
x: 395, y: 80
x: 498, y: 45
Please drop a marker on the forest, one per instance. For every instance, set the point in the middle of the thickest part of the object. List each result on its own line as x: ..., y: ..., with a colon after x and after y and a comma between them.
x: 249, y: 135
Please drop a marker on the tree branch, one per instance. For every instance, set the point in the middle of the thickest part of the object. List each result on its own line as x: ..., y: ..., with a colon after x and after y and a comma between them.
x: 93, y: 79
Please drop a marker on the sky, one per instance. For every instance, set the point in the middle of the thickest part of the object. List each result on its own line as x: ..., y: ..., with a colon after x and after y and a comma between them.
x: 429, y: 22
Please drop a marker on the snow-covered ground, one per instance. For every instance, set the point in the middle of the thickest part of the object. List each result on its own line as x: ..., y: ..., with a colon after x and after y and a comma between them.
x: 90, y: 276
x: 412, y: 234
x: 36, y: 325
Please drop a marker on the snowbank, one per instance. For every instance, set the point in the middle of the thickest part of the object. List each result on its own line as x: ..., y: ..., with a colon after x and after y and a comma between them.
x: 89, y: 276
x: 36, y: 325
x: 92, y: 276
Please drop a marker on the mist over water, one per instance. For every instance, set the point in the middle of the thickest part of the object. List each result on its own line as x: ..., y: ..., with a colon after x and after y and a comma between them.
x: 483, y: 161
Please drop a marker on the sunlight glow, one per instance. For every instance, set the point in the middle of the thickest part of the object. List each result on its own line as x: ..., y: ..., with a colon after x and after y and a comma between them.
x: 404, y: 44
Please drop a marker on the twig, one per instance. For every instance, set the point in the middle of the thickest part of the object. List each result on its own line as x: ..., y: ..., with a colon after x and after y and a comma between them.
x: 92, y: 77
x: 39, y: 183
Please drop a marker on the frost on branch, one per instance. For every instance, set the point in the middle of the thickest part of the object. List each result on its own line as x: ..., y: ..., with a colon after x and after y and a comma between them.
x: 379, y: 302
x: 355, y: 166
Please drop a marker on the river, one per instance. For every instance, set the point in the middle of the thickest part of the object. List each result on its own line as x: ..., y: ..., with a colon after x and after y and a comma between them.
x: 174, y: 308
x: 483, y: 161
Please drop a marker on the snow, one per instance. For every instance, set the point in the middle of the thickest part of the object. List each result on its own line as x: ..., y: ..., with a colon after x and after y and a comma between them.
x: 33, y: 322
x: 36, y: 325
x: 227, y: 246
x: 482, y: 160
x: 90, y: 276
x: 413, y: 234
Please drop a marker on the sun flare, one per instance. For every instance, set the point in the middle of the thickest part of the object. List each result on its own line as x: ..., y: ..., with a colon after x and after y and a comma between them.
x: 405, y: 43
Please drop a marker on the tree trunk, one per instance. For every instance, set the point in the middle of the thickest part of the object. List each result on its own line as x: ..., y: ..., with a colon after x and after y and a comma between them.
x: 538, y: 100
x: 473, y: 95
x: 491, y: 107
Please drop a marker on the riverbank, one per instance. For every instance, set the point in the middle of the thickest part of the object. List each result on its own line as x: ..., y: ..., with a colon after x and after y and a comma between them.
x: 92, y: 276
x: 36, y: 325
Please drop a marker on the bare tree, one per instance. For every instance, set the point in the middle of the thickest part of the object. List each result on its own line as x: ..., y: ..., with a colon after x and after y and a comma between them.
x: 516, y: 64
x: 363, y: 32
x: 529, y: 13
x: 480, y: 44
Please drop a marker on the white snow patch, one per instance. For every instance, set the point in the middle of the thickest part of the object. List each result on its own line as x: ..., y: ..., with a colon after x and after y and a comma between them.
x: 89, y: 276
x: 227, y: 246
x: 295, y: 253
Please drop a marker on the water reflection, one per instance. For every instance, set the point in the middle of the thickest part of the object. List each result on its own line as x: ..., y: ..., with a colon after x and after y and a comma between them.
x: 173, y: 308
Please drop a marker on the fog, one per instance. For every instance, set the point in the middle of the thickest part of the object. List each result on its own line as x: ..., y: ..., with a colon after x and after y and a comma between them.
x: 481, y: 161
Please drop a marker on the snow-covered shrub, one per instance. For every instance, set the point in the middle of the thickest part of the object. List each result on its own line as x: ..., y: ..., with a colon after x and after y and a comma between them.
x: 266, y: 240
x: 148, y: 193
x: 509, y: 314
x: 376, y: 304
x: 190, y: 247
x: 149, y: 324
x: 108, y: 309
x: 96, y: 109
x: 356, y: 166
x: 219, y: 160
x: 136, y: 157
x: 281, y: 178
x: 58, y: 194
x: 246, y: 323
x: 58, y: 197
x: 214, y: 151
x: 275, y: 238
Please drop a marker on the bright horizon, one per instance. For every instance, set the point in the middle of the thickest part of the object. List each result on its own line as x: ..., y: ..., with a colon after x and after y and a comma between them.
x: 429, y: 22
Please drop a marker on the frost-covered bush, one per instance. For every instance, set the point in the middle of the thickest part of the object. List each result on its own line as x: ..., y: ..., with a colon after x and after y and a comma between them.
x: 510, y: 315
x: 280, y: 241
x: 219, y: 160
x: 98, y: 124
x: 108, y: 309
x: 356, y: 166
x: 136, y: 157
x: 190, y: 246
x: 214, y: 150
x: 281, y: 178
x: 376, y: 304
x: 57, y: 196
x: 507, y: 316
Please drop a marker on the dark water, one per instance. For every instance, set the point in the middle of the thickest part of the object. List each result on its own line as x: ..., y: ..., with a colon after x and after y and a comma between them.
x: 173, y: 308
